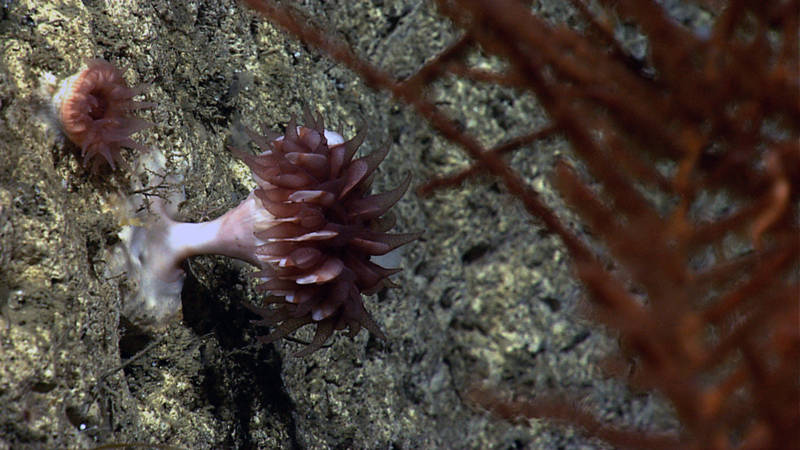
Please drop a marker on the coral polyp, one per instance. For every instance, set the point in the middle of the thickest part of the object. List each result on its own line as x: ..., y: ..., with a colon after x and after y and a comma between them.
x: 311, y: 227
x: 94, y: 109
x: 316, y: 256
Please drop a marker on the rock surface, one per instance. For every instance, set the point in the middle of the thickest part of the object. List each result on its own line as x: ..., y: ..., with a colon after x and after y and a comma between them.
x: 484, y: 295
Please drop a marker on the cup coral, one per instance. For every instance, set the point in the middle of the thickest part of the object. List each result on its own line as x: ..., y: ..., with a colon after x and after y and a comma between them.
x: 327, y: 226
x: 93, y: 108
x: 311, y: 226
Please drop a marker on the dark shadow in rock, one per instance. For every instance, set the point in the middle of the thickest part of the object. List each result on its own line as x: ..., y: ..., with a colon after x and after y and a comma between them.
x: 132, y: 339
x: 245, y: 376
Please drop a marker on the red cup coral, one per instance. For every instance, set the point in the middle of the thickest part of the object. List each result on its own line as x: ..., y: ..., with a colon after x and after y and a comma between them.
x: 93, y: 108
x: 311, y: 226
x: 316, y: 256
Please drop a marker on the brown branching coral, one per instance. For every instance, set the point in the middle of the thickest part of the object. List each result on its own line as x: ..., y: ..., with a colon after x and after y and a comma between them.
x: 705, y: 299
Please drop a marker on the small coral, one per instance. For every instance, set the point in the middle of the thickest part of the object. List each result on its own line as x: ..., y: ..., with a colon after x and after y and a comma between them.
x: 93, y: 108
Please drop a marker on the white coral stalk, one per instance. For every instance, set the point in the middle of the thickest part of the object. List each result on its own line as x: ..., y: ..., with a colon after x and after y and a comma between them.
x: 155, y: 254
